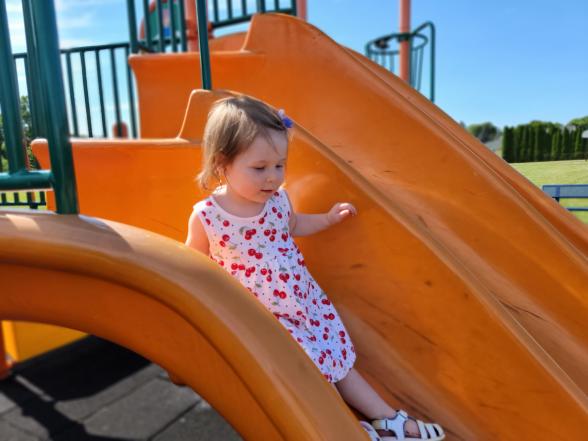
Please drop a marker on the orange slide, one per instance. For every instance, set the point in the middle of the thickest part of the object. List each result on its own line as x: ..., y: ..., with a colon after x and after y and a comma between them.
x: 462, y: 285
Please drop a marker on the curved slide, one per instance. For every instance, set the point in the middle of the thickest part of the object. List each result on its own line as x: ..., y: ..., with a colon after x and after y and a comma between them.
x: 175, y: 307
x: 464, y: 288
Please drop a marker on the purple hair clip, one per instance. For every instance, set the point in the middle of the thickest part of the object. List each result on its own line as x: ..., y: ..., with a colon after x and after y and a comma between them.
x: 288, y: 123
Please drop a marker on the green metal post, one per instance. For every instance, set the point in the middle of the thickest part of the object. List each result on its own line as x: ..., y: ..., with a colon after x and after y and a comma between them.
x: 132, y: 15
x: 203, y: 43
x: 51, y: 80
x: 9, y: 99
x: 159, y: 12
x: 34, y: 72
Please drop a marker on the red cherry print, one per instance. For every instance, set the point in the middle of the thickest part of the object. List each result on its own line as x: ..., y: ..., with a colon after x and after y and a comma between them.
x: 326, y: 329
x: 314, y: 301
x: 297, y: 276
x: 274, y: 209
x: 342, y: 333
x: 334, y: 363
x: 276, y: 193
x: 274, y: 231
x: 204, y: 213
x: 284, y: 236
x: 247, y: 273
x: 325, y: 336
x: 226, y: 237
x: 269, y: 278
x: 258, y: 255
x: 298, y: 312
x: 343, y: 341
x: 272, y: 238
x: 226, y: 223
x: 261, y: 221
x: 234, y: 266
x: 279, y: 215
x: 321, y: 360
x: 241, y: 267
x: 298, y: 339
x: 222, y: 244
x: 328, y: 351
x: 207, y: 221
x: 282, y: 295
x: 222, y: 263
x: 208, y: 203
x: 251, y: 269
x: 267, y: 232
x: 270, y: 271
x: 313, y: 338
x: 263, y: 271
x: 251, y: 252
x: 276, y: 293
x: 331, y: 316
x: 247, y: 237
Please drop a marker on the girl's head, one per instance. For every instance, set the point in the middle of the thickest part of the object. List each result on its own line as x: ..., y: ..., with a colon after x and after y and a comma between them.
x: 246, y: 142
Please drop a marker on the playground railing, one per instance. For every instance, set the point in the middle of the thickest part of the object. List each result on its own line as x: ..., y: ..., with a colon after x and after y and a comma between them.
x: 171, y: 29
x: 380, y: 50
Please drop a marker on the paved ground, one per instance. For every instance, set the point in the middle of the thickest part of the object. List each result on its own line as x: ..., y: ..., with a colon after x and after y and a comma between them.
x: 93, y: 390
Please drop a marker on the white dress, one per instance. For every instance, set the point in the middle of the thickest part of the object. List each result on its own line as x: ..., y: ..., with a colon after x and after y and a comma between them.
x: 260, y: 252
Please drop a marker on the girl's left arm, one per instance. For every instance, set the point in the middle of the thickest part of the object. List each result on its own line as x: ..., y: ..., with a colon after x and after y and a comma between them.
x: 307, y: 224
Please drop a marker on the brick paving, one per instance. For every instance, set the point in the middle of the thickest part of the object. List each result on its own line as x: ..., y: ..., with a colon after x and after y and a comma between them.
x: 93, y: 390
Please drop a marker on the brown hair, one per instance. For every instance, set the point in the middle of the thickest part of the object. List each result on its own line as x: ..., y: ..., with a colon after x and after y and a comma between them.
x: 232, y: 125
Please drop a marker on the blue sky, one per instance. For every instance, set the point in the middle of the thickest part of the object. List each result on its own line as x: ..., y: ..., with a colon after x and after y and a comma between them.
x: 503, y: 61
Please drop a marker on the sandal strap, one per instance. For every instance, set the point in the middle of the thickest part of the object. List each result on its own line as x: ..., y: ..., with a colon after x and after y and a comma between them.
x: 374, y: 436
x: 395, y: 424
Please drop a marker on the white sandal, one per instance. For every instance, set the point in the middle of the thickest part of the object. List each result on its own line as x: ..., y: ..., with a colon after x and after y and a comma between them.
x: 371, y: 431
x: 427, y: 431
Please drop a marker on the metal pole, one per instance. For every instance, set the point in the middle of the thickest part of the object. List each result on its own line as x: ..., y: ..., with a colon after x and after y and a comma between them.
x: 301, y: 9
x: 9, y: 99
x: 203, y: 43
x: 51, y: 80
x: 132, y: 26
x: 405, y: 45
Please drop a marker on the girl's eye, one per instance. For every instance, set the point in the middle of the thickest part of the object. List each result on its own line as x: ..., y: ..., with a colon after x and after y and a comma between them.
x: 279, y: 166
x: 258, y: 168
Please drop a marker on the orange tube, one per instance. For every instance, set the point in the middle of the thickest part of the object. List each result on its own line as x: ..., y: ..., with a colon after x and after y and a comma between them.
x: 4, y: 363
x: 405, y: 45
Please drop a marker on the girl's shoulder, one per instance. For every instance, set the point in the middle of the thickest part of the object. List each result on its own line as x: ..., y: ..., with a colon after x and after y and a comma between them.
x: 203, y: 205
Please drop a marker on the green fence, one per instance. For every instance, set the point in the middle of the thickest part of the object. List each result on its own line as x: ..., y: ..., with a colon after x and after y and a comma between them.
x: 384, y: 51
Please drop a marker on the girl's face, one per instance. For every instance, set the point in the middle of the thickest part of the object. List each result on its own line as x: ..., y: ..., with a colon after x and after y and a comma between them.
x: 258, y: 171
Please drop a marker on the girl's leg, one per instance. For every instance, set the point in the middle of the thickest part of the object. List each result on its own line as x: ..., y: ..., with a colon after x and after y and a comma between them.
x: 358, y: 393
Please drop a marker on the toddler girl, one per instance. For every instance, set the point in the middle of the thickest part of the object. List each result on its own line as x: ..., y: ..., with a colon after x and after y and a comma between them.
x: 246, y: 225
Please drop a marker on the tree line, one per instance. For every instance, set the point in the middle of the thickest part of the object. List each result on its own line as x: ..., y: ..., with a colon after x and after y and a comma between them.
x: 545, y: 141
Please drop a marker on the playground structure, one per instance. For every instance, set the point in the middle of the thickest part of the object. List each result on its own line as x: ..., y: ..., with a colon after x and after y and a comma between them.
x: 463, y: 285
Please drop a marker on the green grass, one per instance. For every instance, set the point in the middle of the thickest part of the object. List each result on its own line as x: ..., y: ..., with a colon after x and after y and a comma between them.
x: 558, y: 172
x: 22, y: 198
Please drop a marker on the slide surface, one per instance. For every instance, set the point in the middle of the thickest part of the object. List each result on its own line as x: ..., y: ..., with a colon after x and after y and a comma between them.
x: 462, y: 285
